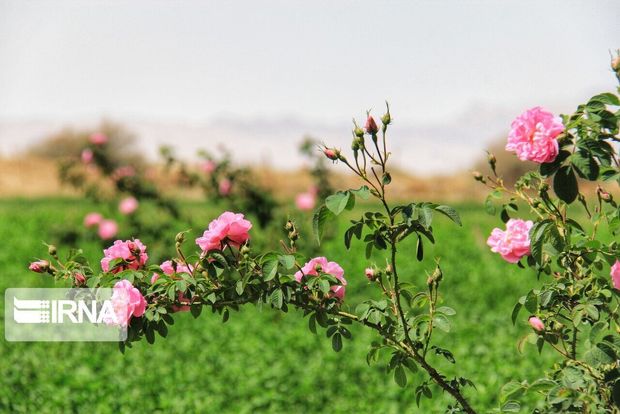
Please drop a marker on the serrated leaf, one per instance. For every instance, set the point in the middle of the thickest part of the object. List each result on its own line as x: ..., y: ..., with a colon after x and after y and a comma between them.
x: 450, y: 213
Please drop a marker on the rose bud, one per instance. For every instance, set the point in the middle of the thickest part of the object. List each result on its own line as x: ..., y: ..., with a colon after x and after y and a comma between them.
x: 79, y: 279
x: 40, y: 266
x: 478, y: 176
x: 371, y: 126
x: 370, y: 274
x: 536, y: 323
x: 331, y: 153
x: 358, y: 132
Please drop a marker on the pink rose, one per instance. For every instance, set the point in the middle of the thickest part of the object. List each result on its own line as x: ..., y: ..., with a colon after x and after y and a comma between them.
x: 305, y: 201
x: 107, y: 229
x: 208, y: 166
x: 169, y: 268
x: 615, y: 274
x: 227, y: 228
x: 225, y: 187
x: 40, y: 266
x: 87, y: 156
x: 514, y: 243
x: 128, y: 205
x: 92, y: 219
x: 132, y: 252
x: 533, y: 135
x: 536, y: 323
x: 127, y: 301
x: 98, y: 138
x: 154, y: 278
x: 321, y: 265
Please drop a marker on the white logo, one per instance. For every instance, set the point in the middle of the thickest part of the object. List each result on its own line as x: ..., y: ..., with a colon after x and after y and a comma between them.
x: 74, y: 311
x: 55, y: 314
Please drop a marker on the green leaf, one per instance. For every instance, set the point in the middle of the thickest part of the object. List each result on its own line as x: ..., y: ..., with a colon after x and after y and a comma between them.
x: 321, y: 217
x: 515, y: 312
x: 363, y: 192
x: 400, y: 376
x: 276, y: 298
x: 270, y: 269
x: 565, y: 184
x: 585, y: 166
x: 336, y: 203
x: 337, y: 342
x: 420, y: 249
x: 450, y: 213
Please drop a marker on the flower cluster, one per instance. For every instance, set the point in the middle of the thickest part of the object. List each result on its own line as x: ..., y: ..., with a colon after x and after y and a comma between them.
x: 131, y: 254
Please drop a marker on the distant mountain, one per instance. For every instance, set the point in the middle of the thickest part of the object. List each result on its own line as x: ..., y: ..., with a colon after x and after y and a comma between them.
x: 425, y: 148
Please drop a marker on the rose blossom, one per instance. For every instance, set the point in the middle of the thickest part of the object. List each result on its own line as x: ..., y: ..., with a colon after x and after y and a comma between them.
x: 127, y: 301
x: 533, y: 135
x: 615, y: 274
x: 98, y: 138
x: 320, y: 264
x: 228, y: 227
x: 225, y: 187
x: 514, y: 243
x: 208, y: 166
x: 305, y: 201
x: 132, y: 252
x: 107, y: 229
x: 40, y: 266
x: 87, y: 156
x: 536, y: 323
x: 92, y: 219
x: 128, y: 205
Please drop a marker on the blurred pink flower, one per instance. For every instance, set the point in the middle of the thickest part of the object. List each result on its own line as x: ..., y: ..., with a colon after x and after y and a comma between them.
x: 615, y: 274
x: 514, y: 243
x: 128, y: 205
x: 122, y: 172
x: 321, y: 265
x: 305, y: 201
x: 169, y: 268
x: 39, y: 266
x: 533, y: 135
x: 225, y: 187
x: 87, y: 156
x: 127, y: 301
x: 208, y: 166
x: 228, y: 227
x: 92, y: 219
x: 536, y: 323
x: 181, y: 308
x: 132, y: 252
x: 98, y: 138
x: 107, y: 229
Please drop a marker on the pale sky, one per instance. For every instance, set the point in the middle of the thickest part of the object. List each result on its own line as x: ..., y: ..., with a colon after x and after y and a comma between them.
x: 320, y: 62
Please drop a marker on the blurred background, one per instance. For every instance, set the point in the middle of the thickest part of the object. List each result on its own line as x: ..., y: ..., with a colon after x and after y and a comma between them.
x: 257, y: 87
x: 259, y: 79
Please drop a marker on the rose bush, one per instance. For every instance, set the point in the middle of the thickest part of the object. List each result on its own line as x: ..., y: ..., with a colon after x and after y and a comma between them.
x: 225, y: 273
x: 572, y: 246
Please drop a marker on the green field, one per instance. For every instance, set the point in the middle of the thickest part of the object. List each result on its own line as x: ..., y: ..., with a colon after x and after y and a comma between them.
x: 262, y: 360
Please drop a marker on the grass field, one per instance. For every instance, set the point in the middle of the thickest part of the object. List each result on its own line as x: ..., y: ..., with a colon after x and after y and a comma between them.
x: 261, y: 360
